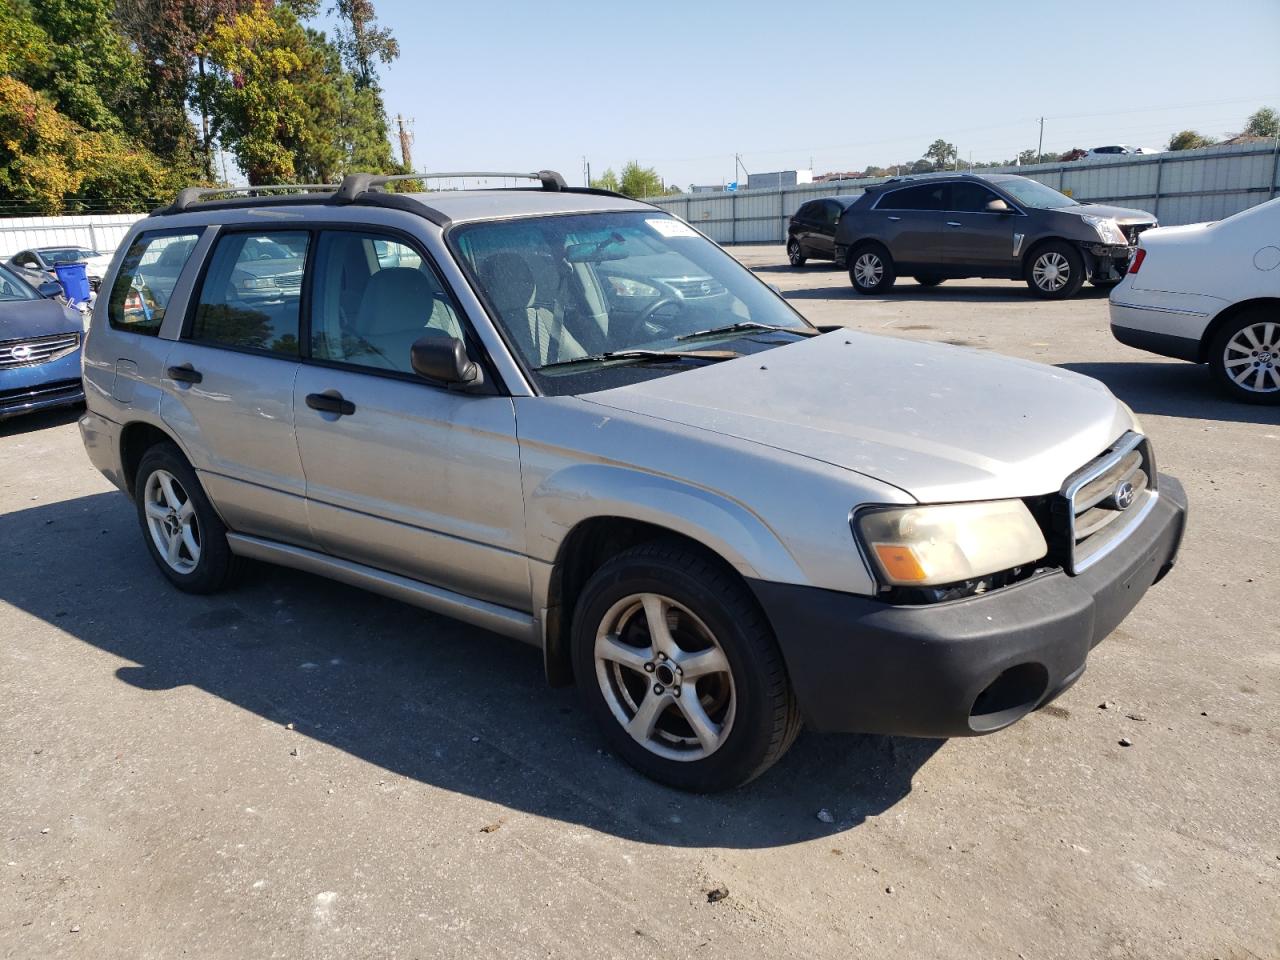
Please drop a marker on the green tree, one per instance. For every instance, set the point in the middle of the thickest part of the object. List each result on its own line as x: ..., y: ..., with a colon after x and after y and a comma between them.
x: 607, y: 181
x: 1264, y: 122
x: 1188, y: 140
x: 941, y: 155
x: 638, y: 181
x: 362, y: 41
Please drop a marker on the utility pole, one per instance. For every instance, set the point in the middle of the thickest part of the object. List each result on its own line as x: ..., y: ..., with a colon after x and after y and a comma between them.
x: 738, y: 164
x: 406, y: 140
x: 1040, y: 147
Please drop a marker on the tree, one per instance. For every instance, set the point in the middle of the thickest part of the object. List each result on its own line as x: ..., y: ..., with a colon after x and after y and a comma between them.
x: 941, y: 155
x: 1188, y: 140
x: 1265, y: 122
x: 607, y: 181
x: 1075, y: 153
x: 362, y: 41
x: 638, y: 181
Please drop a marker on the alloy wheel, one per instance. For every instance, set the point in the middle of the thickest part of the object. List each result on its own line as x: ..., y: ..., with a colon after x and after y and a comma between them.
x: 1051, y: 271
x: 664, y: 677
x: 868, y: 270
x: 1252, y: 358
x: 171, y: 521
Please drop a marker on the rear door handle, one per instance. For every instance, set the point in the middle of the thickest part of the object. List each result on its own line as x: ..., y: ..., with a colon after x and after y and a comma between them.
x: 331, y: 401
x: 895, y: 219
x: 185, y: 374
x: 952, y: 223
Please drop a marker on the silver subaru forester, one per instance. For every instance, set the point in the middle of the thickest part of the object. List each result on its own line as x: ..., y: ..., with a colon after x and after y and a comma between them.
x: 568, y: 417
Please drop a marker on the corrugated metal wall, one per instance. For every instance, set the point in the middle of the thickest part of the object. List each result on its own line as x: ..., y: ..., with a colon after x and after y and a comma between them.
x: 97, y: 231
x: 1188, y: 186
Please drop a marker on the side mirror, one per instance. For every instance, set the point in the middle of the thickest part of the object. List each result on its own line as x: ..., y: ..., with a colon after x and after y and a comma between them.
x: 50, y: 289
x: 997, y: 206
x: 440, y: 357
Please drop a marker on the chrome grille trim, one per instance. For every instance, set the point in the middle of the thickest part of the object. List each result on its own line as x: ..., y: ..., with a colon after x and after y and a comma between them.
x: 1095, y: 522
x: 26, y: 353
x: 693, y: 288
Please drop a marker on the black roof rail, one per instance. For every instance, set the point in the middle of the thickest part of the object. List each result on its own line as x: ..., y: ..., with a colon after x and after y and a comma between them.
x: 354, y: 184
x: 191, y: 195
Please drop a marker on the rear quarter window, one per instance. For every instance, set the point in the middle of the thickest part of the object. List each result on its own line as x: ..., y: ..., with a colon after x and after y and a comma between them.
x: 149, y: 272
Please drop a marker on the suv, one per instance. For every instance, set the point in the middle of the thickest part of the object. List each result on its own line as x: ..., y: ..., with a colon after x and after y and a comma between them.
x: 992, y: 225
x: 812, y: 231
x: 712, y: 518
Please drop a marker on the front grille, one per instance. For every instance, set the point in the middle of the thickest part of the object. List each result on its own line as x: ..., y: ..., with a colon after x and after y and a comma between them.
x: 289, y: 282
x: 25, y: 353
x: 42, y: 394
x: 692, y: 288
x: 1132, y: 230
x: 1101, y: 502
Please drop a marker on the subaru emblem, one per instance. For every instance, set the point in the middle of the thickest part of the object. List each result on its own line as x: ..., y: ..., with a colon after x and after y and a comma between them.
x: 1124, y: 495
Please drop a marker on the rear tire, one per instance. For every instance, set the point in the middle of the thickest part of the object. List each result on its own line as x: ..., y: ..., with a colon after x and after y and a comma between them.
x: 871, y: 269
x: 795, y: 254
x: 727, y: 714
x: 1245, y: 357
x: 929, y: 280
x: 1055, y: 270
x: 183, y: 532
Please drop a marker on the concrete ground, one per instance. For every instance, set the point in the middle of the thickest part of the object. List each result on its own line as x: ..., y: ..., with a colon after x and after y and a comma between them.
x: 296, y: 769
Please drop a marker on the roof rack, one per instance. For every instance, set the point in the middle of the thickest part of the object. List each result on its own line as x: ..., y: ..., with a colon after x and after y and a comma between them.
x: 190, y: 195
x: 354, y: 184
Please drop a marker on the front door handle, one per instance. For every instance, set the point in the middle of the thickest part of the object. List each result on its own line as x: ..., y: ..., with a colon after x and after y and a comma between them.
x: 331, y: 401
x: 185, y: 374
x: 895, y: 219
x: 952, y: 223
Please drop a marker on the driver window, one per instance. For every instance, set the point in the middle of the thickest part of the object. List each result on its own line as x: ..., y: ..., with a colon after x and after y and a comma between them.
x: 373, y: 297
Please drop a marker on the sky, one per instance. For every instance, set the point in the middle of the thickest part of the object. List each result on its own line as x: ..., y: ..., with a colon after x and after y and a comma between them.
x: 683, y: 86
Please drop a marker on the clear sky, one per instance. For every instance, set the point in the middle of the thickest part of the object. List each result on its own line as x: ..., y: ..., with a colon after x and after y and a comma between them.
x: 682, y: 86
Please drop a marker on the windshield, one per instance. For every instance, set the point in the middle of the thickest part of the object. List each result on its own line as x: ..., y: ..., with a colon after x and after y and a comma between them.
x: 11, y: 288
x: 1031, y: 193
x: 55, y: 255
x: 566, y: 288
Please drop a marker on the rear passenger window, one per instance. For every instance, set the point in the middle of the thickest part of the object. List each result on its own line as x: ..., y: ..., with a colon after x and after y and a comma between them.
x: 372, y: 298
x: 148, y: 274
x: 923, y: 197
x: 252, y: 292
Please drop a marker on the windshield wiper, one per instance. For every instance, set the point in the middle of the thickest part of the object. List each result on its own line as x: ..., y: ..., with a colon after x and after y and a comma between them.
x: 652, y: 355
x: 752, y: 325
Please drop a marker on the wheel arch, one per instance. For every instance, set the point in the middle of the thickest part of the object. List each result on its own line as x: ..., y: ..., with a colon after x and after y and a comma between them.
x: 1226, y: 315
x: 1039, y: 242
x: 136, y: 438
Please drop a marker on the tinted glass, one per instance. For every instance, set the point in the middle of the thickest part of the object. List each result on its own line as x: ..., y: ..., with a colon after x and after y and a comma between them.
x: 252, y: 292
x: 1031, y: 193
x: 807, y: 211
x: 25, y: 259
x: 970, y: 198
x: 59, y: 255
x: 11, y: 288
x: 140, y: 294
x: 373, y: 297
x: 924, y: 197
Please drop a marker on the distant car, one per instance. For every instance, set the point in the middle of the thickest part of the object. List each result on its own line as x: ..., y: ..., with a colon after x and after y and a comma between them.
x: 39, y: 348
x: 984, y: 225
x: 812, y: 231
x: 1117, y: 150
x: 1210, y: 293
x: 36, y: 265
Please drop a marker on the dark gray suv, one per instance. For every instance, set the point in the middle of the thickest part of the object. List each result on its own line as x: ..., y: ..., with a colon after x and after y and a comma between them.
x: 996, y: 225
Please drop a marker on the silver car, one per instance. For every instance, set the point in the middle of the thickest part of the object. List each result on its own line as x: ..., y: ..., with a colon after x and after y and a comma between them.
x: 568, y: 417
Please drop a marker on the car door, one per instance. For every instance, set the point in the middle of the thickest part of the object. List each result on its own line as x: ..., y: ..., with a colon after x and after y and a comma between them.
x: 824, y: 233
x: 909, y: 221
x: 228, y: 387
x: 403, y: 475
x: 803, y: 226
x: 974, y: 238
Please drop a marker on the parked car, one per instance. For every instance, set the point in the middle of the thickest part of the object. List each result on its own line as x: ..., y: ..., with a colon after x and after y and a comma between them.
x: 717, y: 521
x: 39, y: 347
x: 36, y: 265
x: 1118, y: 150
x: 1210, y: 293
x: 984, y: 225
x: 811, y: 234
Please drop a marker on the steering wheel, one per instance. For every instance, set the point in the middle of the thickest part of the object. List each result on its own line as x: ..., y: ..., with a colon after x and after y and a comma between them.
x: 651, y: 310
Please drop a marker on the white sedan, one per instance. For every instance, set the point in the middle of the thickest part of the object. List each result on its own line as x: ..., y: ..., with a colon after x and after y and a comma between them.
x: 1209, y: 293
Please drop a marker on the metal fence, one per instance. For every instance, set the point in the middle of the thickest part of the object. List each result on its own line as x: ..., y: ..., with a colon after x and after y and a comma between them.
x: 97, y: 231
x: 1187, y: 186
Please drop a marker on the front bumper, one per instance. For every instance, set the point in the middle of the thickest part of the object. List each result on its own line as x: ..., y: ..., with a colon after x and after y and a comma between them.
x: 968, y: 666
x: 41, y: 386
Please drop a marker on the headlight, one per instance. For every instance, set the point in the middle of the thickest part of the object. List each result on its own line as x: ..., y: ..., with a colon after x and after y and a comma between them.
x: 1108, y: 230
x: 626, y: 287
x: 949, y: 543
x: 257, y: 283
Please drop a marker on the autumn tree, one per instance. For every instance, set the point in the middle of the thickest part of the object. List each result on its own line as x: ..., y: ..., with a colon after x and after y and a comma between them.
x: 1188, y: 140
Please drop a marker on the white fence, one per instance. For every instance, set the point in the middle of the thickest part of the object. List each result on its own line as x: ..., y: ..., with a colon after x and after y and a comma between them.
x: 1187, y: 186
x: 101, y: 232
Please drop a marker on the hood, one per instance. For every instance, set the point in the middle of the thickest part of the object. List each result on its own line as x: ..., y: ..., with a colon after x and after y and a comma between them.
x: 22, y: 319
x: 1119, y: 214
x: 939, y: 422
x: 97, y: 266
x: 1161, y: 234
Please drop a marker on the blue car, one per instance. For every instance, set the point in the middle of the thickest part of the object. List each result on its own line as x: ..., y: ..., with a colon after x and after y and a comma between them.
x: 39, y: 348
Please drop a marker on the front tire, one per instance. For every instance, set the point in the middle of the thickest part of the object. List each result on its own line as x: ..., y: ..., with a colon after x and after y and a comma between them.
x: 871, y: 269
x: 1245, y: 357
x: 678, y: 665
x: 183, y: 532
x: 1055, y: 271
x: 795, y: 255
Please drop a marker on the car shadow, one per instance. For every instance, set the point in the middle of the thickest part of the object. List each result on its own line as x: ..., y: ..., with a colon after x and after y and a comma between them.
x: 1173, y: 389
x: 41, y: 420
x: 997, y: 291
x: 419, y: 696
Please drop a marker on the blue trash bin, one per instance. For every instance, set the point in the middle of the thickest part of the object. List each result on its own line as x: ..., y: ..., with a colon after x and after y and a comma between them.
x: 74, y: 280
